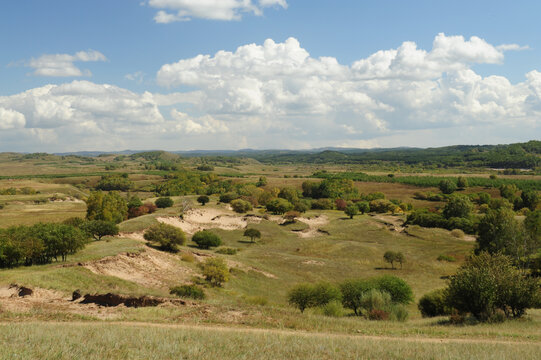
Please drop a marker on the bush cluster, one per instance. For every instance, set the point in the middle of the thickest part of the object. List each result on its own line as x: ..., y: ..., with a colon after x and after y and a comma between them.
x: 166, y: 237
x: 164, y: 202
x: 206, y: 239
x: 188, y: 291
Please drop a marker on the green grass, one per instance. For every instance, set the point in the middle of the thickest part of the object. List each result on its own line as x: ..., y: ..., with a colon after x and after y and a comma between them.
x: 141, y: 341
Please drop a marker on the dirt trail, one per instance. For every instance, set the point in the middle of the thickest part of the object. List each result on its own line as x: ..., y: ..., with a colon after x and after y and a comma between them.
x: 410, y: 339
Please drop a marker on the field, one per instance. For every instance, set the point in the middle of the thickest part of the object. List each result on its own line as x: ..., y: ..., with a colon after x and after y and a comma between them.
x: 251, y: 310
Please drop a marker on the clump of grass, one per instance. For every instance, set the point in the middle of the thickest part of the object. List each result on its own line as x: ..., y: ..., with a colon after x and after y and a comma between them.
x: 333, y: 309
x: 187, y: 257
x: 459, y: 234
x: 257, y: 300
x: 227, y: 251
x: 447, y: 258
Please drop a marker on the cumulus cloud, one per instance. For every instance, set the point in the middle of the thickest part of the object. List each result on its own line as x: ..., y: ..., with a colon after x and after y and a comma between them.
x: 185, y: 10
x: 63, y: 65
x: 11, y: 119
x: 279, y: 87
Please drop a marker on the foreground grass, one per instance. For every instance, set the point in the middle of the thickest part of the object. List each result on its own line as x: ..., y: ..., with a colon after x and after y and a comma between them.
x: 147, y: 341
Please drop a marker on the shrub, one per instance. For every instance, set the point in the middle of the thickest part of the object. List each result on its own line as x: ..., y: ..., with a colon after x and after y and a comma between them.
x: 240, y: 206
x: 447, y: 186
x: 203, y: 199
x: 322, y: 204
x: 252, y: 234
x: 377, y: 314
x: 363, y: 206
x: 458, y: 206
x: 340, y: 204
x: 134, y: 202
x: 375, y: 299
x: 333, y: 308
x: 164, y: 202
x: 381, y: 205
x: 114, y: 182
x: 398, y: 313
x: 215, y: 271
x: 227, y: 251
x: 167, y: 237
x: 352, y: 292
x: 205, y: 167
x: 290, y: 216
x: 447, y: 258
x: 323, y: 293
x: 205, y: 239
x: 187, y: 257
x: 106, y: 206
x: 279, y: 206
x: 435, y: 303
x: 228, y: 197
x: 301, y: 206
x: 462, y: 182
x: 188, y: 291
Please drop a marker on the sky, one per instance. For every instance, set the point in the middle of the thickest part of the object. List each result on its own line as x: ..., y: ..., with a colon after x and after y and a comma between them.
x: 87, y: 75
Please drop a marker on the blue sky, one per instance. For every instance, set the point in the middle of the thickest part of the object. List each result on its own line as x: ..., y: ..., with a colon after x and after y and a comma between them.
x: 111, y: 75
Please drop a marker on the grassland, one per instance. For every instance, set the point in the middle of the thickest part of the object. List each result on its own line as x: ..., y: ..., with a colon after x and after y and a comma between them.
x: 249, y: 317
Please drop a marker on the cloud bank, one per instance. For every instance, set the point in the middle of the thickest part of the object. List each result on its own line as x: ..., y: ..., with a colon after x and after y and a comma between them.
x: 276, y: 95
x: 226, y: 10
x: 63, y: 65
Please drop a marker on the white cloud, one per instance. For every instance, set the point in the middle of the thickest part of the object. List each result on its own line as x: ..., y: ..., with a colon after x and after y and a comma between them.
x: 184, y: 10
x: 62, y: 65
x: 11, y: 119
x: 204, y: 125
x: 280, y: 88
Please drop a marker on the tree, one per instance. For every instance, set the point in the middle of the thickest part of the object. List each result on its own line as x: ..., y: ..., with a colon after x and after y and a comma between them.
x: 290, y: 194
x: 99, y: 228
x: 301, y: 296
x: 363, y: 207
x: 458, y: 206
x: 167, y: 237
x: 279, y: 206
x: 530, y: 199
x: 262, y: 181
x: 114, y: 182
x: 324, y: 293
x: 499, y: 231
x: 390, y: 257
x: 351, y: 210
x: 106, y: 206
x: 508, y: 191
x: 447, y: 186
x: 134, y: 202
x: 462, y: 182
x: 205, y: 239
x: 399, y: 290
x: 290, y: 216
x: 252, y: 234
x: 435, y: 303
x: 215, y: 271
x: 164, y: 202
x: 203, y: 199
x: 488, y: 282
x: 240, y: 206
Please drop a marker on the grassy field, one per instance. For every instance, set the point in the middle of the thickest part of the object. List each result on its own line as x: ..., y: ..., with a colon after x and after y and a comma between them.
x: 250, y: 312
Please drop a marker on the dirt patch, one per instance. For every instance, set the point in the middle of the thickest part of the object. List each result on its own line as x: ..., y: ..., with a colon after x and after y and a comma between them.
x: 110, y: 299
x: 314, y: 225
x: 138, y: 235
x: 313, y: 262
x: 150, y: 268
x: 392, y: 223
x: 200, y: 219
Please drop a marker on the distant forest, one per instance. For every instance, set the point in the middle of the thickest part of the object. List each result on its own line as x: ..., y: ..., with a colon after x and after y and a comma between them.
x: 513, y: 156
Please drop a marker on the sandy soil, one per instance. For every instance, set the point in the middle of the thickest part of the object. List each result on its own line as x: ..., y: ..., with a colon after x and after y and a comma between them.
x: 150, y: 268
x: 200, y: 219
x: 314, y: 224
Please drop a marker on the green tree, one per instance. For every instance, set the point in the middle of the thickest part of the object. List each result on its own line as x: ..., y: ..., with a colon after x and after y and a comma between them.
x: 262, y: 181
x: 351, y: 210
x: 363, y: 207
x: 301, y: 296
x: 106, y: 206
x: 279, y: 206
x: 530, y: 199
x: 205, y: 239
x: 499, y: 231
x: 390, y: 257
x: 435, y: 303
x: 164, y: 202
x: 166, y: 237
x: 458, y: 206
x: 447, y: 186
x: 252, y: 234
x: 462, y: 182
x: 203, y: 199
x: 134, y: 202
x: 240, y: 206
x: 508, y: 191
x: 99, y: 228
x: 215, y: 271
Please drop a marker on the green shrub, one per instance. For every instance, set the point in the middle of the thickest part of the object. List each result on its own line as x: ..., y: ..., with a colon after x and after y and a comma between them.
x: 205, y: 239
x: 375, y: 299
x: 228, y: 197
x: 240, y: 206
x: 322, y: 204
x: 279, y: 206
x: 324, y: 292
x: 203, y: 199
x: 227, y: 251
x: 435, y: 303
x: 164, y: 202
x: 252, y: 234
x: 363, y: 206
x: 447, y: 186
x: 447, y: 258
x: 188, y: 291
x: 351, y: 210
x: 459, y: 234
x: 187, y: 257
x: 167, y: 237
x: 399, y: 290
x: 333, y: 308
x: 215, y: 271
x: 398, y: 313
x: 99, y: 228
x: 301, y: 296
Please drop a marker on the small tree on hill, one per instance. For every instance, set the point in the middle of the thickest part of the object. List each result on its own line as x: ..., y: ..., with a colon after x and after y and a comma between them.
x: 164, y: 202
x: 166, y: 236
x: 203, y: 199
x: 252, y: 234
x: 447, y: 186
x: 462, y: 182
x: 458, y: 206
x: 215, y: 271
x: 363, y: 206
x: 301, y: 296
x: 351, y: 210
x: 391, y: 257
x: 99, y: 228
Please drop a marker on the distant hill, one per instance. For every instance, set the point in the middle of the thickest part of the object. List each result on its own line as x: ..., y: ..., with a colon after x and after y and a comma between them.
x: 517, y: 156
